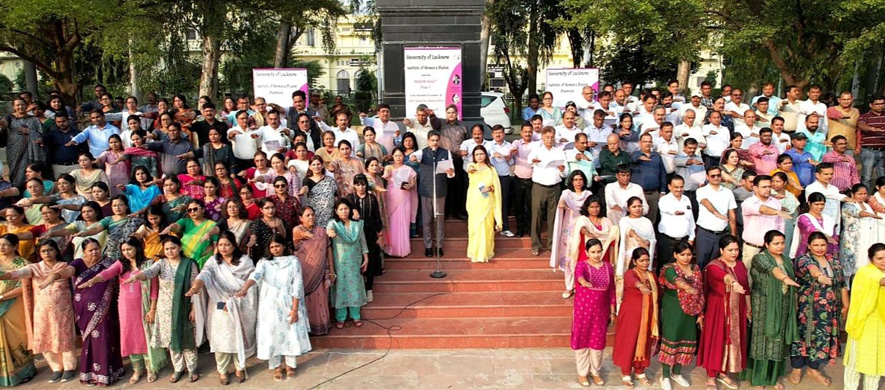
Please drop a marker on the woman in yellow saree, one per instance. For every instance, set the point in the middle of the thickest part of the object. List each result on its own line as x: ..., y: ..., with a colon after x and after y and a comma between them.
x: 483, y: 207
x: 16, y: 361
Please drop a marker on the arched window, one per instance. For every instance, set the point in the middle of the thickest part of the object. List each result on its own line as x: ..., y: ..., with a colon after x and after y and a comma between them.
x: 343, y: 81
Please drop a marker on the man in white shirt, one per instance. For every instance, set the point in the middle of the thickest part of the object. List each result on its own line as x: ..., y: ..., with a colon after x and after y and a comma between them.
x: 123, y: 117
x: 735, y: 108
x: 789, y: 108
x: 588, y: 105
x: 548, y: 170
x: 566, y: 132
x: 420, y: 125
x: 343, y: 132
x: 466, y: 148
x: 651, y: 124
x: 673, y: 114
x: 646, y: 109
x: 677, y: 219
x: 499, y: 151
x: 581, y: 159
x: 690, y: 166
x: 718, y: 139
x: 695, y: 105
x: 823, y: 174
x: 618, y: 193
x: 748, y: 129
x: 667, y: 146
x: 244, y: 141
x: 813, y: 105
x: 387, y: 133
x: 716, y: 216
x: 630, y: 101
x: 274, y: 137
x: 597, y: 133
x: 690, y: 129
x: 778, y: 137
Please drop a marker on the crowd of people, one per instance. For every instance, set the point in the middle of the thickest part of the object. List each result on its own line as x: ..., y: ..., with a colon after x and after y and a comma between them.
x: 680, y: 220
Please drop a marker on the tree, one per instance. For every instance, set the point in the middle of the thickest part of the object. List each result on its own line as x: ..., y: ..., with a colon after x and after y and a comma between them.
x: 295, y: 18
x: 366, y: 84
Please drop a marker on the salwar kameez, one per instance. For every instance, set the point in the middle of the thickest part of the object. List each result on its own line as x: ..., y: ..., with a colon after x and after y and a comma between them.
x: 348, y: 248
x: 724, y: 336
x: 637, y: 327
x: 172, y: 330
x: 280, y: 281
x: 858, y: 234
x: 230, y: 320
x: 679, y: 316
x: 774, y: 320
x: 100, y: 360
x: 592, y: 313
x: 865, y: 351
x: 563, y: 229
x: 820, y: 311
x: 50, y: 316
x: 483, y: 212
x: 16, y: 360
x: 313, y: 253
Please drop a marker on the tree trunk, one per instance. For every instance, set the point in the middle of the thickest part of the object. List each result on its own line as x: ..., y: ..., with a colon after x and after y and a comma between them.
x: 281, y: 55
x: 683, y: 72
x: 484, y: 37
x: 534, y: 44
x: 211, y: 58
x: 133, y: 75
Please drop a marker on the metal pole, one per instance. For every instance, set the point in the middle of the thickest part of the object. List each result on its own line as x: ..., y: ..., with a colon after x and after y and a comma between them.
x: 438, y: 273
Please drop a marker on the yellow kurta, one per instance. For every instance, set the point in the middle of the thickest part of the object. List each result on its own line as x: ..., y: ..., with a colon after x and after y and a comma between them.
x: 483, y: 213
x: 866, y: 323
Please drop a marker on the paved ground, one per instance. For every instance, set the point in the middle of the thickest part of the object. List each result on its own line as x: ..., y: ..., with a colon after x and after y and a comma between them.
x: 421, y: 369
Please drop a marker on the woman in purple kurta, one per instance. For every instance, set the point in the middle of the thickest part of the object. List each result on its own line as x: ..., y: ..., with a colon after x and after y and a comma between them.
x: 594, y: 305
x: 94, y: 307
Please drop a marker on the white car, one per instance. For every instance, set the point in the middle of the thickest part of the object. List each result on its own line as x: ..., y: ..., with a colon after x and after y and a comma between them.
x: 494, y: 111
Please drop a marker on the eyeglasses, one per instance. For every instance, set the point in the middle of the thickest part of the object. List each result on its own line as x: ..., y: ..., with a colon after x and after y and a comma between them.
x: 193, y: 209
x: 279, y: 186
x: 716, y: 176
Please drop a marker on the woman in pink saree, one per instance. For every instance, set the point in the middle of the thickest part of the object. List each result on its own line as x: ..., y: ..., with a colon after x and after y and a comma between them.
x: 400, y: 185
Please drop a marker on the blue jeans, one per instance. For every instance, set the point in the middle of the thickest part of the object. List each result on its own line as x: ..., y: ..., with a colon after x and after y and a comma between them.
x: 872, y: 169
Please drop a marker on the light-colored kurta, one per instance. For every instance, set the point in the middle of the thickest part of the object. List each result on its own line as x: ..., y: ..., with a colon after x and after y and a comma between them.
x: 231, y: 327
x: 161, y: 335
x: 866, y: 323
x: 348, y: 248
x: 563, y: 228
x: 280, y: 281
x: 484, y: 212
x: 53, y: 315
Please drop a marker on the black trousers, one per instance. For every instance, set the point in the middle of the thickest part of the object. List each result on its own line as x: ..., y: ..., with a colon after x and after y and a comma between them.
x: 665, y: 250
x: 374, y: 268
x: 522, y: 200
x: 456, y: 191
x: 506, y: 183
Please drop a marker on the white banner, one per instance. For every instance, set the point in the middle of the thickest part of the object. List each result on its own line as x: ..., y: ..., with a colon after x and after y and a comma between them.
x: 276, y: 85
x: 567, y: 84
x: 432, y: 77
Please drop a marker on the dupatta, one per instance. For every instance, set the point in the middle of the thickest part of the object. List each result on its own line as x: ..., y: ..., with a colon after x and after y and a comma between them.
x: 573, y: 203
x: 775, y: 292
x: 828, y: 228
x: 182, y: 338
x: 222, y: 281
x: 647, y: 300
x: 643, y: 227
x: 609, y: 235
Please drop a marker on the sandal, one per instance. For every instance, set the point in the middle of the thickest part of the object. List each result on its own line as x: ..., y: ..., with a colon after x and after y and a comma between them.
x: 176, y: 376
x: 136, y: 377
x: 582, y: 380
x: 223, y: 379
x: 194, y: 377
x: 643, y: 379
x: 240, y: 378
x: 357, y: 323
x: 597, y: 380
x: 627, y: 382
x: 795, y: 376
x: 339, y: 325
x: 819, y: 377
x: 290, y: 372
x: 725, y: 380
x: 778, y: 386
x: 278, y: 374
x: 151, y: 377
x: 711, y: 384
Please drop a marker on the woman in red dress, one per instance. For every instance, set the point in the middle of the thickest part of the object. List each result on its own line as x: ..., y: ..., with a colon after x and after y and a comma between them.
x: 723, y: 345
x: 637, y: 327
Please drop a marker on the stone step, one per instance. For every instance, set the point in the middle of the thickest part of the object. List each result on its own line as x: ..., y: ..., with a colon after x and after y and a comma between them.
x: 467, y: 304
x: 457, y: 242
x: 469, y: 280
x: 505, y: 258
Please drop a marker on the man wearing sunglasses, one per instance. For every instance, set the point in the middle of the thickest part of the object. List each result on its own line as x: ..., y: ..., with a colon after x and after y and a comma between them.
x: 716, y: 216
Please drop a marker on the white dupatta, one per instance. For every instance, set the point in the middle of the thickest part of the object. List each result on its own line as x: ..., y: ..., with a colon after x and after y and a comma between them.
x: 828, y: 228
x: 643, y: 227
x: 222, y: 281
x: 573, y: 203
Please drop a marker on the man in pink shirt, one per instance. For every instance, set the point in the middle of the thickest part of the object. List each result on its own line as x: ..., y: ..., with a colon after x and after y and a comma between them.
x: 522, y: 182
x: 761, y: 213
x: 764, y: 154
x: 844, y: 165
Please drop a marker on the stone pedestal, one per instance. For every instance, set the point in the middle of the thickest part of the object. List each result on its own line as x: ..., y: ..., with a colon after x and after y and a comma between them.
x: 406, y: 23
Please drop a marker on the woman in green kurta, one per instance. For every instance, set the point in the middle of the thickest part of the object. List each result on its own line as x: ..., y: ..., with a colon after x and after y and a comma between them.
x: 682, y: 306
x: 823, y: 300
x: 193, y: 230
x: 351, y: 256
x: 773, y: 301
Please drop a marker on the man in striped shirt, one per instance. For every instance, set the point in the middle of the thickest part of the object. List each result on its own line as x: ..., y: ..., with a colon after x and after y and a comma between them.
x: 871, y: 140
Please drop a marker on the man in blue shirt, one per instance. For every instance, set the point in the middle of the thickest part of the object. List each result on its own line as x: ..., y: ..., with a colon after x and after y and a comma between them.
x: 62, y: 158
x: 803, y: 162
x: 650, y: 173
x: 532, y: 109
x: 97, y: 135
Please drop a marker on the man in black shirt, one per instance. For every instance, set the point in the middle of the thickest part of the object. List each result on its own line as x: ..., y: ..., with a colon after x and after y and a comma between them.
x: 201, y: 128
x: 63, y: 158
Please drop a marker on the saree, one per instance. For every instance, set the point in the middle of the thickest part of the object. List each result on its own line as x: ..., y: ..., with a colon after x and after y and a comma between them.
x: 724, y: 335
x: 636, y: 329
x: 321, y: 198
x: 25, y: 247
x: 118, y: 232
x: 16, y: 360
x: 280, y: 281
x: 313, y: 255
x: 194, y: 191
x: 642, y: 227
x: 21, y: 150
x: 193, y: 241
x: 483, y: 213
x: 564, y: 228
x: 140, y: 199
x: 100, y: 361
x: 170, y: 206
x: 773, y: 329
x: 399, y: 212
x: 230, y: 321
x: 374, y: 150
x: 142, y: 158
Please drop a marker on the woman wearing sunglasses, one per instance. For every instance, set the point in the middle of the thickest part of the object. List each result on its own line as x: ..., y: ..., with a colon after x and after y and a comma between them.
x: 192, y: 231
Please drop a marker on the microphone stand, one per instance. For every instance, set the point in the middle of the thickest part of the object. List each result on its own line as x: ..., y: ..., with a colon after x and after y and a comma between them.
x: 438, y: 273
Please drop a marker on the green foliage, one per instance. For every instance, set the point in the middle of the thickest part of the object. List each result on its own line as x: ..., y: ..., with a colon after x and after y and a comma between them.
x: 634, y: 63
x: 6, y: 85
x: 366, y: 85
x: 314, y: 70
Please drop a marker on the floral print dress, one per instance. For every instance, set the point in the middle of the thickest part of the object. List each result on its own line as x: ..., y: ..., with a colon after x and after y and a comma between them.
x: 820, y: 308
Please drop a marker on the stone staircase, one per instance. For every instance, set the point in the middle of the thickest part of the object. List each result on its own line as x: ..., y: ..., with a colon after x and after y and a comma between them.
x: 511, y: 302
